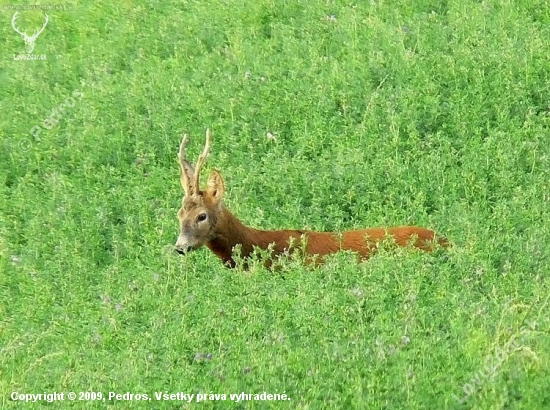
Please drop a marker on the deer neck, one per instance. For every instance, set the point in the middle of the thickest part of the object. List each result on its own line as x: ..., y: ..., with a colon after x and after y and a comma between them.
x: 229, y: 233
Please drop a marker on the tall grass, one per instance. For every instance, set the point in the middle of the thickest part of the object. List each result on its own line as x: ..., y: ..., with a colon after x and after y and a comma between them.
x: 326, y: 115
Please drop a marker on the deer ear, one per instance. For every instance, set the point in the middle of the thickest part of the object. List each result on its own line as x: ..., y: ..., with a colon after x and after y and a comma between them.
x: 215, y: 186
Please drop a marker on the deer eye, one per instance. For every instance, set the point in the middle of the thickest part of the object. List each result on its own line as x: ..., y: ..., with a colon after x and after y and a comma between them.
x: 201, y: 217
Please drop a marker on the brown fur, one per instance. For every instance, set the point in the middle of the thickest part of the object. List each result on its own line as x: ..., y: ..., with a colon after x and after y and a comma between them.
x: 204, y: 220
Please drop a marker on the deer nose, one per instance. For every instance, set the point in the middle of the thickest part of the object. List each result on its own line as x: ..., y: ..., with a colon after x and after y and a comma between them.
x: 182, y: 250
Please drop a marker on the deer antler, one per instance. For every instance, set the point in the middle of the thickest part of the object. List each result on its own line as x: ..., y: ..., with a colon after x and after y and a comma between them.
x: 37, y: 33
x: 24, y: 34
x: 15, y: 16
x: 201, y: 160
x: 190, y: 176
x: 186, y: 168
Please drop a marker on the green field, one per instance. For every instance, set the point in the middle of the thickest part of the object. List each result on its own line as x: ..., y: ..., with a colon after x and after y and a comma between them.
x: 326, y: 115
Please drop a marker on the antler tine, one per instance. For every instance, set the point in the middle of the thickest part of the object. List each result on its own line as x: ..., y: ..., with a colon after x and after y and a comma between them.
x: 186, y: 168
x: 37, y: 32
x: 202, y: 159
x: 15, y: 17
x: 184, y: 141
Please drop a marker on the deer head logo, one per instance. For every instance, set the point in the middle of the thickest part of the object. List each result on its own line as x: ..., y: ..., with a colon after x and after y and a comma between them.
x: 29, y: 40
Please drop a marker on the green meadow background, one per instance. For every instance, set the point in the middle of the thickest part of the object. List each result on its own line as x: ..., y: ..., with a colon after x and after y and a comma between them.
x: 326, y: 115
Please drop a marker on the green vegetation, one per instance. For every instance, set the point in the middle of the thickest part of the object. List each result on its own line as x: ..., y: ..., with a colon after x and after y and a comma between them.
x: 326, y: 115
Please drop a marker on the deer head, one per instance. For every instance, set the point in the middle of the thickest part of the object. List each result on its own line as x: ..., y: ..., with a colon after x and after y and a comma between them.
x: 29, y: 40
x: 200, y: 210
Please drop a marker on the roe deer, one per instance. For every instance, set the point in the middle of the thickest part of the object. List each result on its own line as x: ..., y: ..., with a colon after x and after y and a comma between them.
x: 204, y: 220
